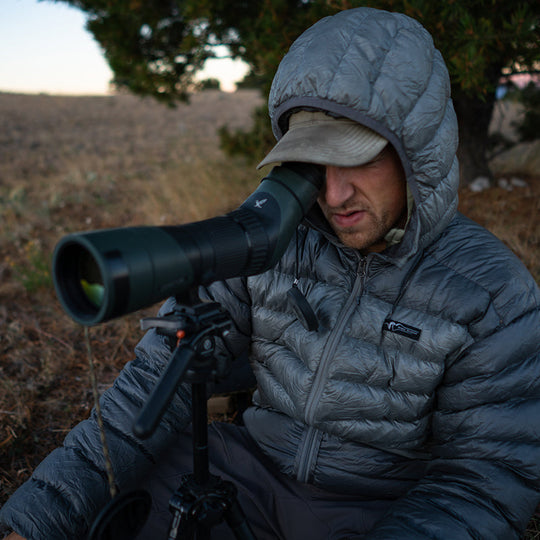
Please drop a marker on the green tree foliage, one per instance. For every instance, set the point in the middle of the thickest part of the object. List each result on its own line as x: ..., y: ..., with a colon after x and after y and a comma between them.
x: 155, y: 48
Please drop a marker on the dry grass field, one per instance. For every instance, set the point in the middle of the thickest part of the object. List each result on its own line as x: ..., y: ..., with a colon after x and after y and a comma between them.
x: 70, y: 164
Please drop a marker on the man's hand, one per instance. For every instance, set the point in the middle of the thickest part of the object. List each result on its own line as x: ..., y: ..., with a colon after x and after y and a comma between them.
x: 14, y: 536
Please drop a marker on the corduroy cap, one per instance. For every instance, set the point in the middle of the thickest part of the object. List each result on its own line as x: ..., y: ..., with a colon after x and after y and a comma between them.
x: 316, y: 137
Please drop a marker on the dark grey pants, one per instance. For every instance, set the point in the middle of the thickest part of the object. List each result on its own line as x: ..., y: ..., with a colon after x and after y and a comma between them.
x: 276, y: 506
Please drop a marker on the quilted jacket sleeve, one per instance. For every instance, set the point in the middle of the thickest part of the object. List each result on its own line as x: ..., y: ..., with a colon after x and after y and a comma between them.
x: 484, y: 480
x: 69, y: 488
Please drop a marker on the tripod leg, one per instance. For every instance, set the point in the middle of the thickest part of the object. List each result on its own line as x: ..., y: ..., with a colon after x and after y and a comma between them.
x: 238, y: 523
x: 182, y: 525
x: 187, y: 526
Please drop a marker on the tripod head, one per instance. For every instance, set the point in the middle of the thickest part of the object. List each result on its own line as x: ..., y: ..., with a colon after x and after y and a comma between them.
x: 192, y: 330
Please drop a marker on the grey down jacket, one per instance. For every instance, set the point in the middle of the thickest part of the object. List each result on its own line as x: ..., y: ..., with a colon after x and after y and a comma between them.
x: 422, y: 383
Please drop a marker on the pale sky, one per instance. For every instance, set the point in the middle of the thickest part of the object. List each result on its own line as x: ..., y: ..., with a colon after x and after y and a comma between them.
x: 44, y: 47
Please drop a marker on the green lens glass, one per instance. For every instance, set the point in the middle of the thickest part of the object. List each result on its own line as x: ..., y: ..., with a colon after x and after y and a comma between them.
x: 90, y: 279
x: 93, y: 291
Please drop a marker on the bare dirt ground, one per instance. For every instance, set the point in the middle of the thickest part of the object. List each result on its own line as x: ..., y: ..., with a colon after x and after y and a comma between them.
x: 69, y: 164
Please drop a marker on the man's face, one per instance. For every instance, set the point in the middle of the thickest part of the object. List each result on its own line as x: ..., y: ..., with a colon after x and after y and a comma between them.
x: 363, y: 203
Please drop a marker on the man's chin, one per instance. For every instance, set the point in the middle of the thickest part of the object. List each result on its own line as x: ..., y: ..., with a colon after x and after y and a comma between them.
x: 361, y: 241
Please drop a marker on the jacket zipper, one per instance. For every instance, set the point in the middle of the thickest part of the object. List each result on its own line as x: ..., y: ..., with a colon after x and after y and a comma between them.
x: 313, y: 436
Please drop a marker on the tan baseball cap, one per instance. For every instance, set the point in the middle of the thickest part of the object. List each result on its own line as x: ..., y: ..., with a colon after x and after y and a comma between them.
x: 316, y: 137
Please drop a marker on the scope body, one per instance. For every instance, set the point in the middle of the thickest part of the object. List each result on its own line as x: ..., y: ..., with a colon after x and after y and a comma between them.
x: 103, y: 274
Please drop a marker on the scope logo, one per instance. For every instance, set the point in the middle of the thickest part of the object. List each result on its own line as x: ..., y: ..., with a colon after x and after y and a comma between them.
x: 259, y: 203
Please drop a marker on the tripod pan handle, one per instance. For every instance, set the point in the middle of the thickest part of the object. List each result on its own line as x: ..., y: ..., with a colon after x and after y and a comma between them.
x: 163, y: 392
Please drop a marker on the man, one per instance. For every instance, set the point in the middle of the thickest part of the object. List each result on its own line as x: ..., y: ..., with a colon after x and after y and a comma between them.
x: 401, y: 397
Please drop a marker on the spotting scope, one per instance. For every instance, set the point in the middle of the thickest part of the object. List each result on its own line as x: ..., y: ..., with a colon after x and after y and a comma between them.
x: 103, y: 274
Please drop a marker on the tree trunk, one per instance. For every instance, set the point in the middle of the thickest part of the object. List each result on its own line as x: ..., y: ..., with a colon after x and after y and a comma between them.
x: 474, y: 116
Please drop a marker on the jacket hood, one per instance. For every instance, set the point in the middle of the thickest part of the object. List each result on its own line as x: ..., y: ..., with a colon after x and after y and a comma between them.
x: 382, y: 70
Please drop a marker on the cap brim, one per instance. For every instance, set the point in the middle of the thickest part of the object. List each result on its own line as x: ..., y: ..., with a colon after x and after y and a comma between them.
x: 342, y: 144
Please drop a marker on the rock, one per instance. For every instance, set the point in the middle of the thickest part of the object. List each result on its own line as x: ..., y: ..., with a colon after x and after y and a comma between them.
x: 523, y: 159
x: 506, y: 114
x: 518, y: 182
x: 479, y: 184
x: 504, y: 184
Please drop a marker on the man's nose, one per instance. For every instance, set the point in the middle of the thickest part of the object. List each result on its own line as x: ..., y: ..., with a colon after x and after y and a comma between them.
x: 337, y: 189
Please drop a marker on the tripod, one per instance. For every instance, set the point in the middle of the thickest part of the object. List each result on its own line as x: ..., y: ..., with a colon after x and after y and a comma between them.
x: 202, y: 500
